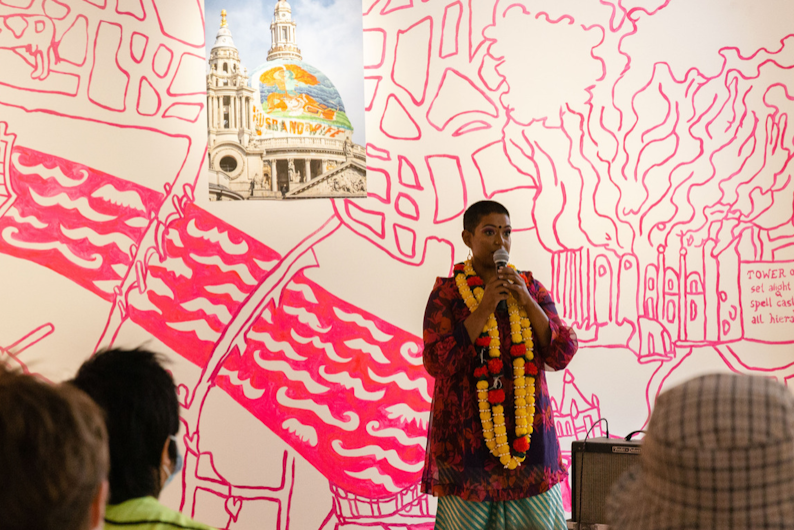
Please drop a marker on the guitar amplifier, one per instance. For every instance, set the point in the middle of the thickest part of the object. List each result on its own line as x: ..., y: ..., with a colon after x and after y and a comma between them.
x: 596, y: 464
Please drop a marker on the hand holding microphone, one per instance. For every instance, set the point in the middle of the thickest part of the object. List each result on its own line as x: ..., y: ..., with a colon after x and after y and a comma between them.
x: 500, y: 259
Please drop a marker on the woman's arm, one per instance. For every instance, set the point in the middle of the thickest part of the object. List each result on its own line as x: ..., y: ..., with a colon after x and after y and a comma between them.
x: 447, y: 346
x: 555, y: 342
x: 563, y: 342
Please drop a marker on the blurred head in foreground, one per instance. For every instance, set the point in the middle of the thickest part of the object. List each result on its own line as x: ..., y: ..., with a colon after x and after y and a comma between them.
x: 718, y: 453
x: 142, y: 413
x: 53, y: 456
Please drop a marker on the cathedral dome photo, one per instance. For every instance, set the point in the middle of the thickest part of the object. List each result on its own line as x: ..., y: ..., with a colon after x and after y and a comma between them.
x: 298, y: 90
x: 282, y: 131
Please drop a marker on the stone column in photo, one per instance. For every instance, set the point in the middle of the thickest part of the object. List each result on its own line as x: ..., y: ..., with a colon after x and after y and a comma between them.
x: 307, y: 176
x: 273, y: 176
x: 217, y: 103
x: 230, y: 120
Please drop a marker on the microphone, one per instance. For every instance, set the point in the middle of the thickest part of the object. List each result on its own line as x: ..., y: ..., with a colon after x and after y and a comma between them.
x: 500, y: 259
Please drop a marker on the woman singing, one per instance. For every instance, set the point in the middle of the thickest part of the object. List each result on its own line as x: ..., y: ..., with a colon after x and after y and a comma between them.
x: 492, y: 453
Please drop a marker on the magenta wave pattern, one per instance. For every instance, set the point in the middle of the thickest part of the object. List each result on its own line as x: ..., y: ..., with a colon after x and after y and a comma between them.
x: 363, y: 393
x: 312, y: 352
x: 65, y: 218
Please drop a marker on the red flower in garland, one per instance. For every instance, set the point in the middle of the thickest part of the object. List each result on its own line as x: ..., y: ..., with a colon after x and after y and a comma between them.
x: 483, y: 341
x: 481, y: 372
x: 521, y: 444
x: 530, y: 369
x: 474, y: 281
x: 459, y: 267
x: 518, y: 350
x: 495, y: 366
x: 496, y: 396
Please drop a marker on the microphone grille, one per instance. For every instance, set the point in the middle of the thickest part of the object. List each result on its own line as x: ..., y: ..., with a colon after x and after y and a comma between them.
x: 501, y: 255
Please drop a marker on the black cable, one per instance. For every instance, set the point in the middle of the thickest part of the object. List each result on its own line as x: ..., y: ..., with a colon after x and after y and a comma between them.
x: 581, y: 467
x: 630, y: 435
x: 593, y: 425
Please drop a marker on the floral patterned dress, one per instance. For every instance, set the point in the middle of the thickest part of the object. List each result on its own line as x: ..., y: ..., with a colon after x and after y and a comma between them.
x: 457, y: 461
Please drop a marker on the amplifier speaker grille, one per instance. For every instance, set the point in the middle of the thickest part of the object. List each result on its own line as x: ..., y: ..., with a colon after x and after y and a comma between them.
x: 595, y: 468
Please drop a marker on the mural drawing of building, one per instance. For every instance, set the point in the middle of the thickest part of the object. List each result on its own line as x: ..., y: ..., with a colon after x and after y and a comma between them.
x: 642, y: 147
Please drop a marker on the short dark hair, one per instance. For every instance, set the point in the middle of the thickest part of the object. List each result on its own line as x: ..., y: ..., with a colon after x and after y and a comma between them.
x: 478, y: 210
x: 53, y: 454
x: 141, y: 411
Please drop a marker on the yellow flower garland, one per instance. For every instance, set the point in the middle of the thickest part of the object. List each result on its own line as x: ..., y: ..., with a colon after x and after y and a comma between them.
x: 492, y: 418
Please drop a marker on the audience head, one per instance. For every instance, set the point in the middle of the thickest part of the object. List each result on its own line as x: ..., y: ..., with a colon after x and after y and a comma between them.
x: 718, y: 453
x: 478, y: 210
x: 53, y: 456
x: 142, y: 415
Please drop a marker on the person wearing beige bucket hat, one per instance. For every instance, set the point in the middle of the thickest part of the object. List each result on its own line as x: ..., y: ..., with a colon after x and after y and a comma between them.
x: 718, y: 454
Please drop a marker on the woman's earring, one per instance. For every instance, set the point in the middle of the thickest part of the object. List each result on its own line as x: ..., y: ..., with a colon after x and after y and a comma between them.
x: 469, y: 255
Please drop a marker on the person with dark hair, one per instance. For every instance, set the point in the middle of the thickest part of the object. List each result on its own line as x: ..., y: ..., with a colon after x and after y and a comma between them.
x: 53, y: 456
x: 142, y: 414
x: 492, y: 457
x: 474, y: 214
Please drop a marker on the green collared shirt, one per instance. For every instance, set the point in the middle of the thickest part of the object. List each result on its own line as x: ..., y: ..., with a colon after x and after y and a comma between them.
x: 145, y: 513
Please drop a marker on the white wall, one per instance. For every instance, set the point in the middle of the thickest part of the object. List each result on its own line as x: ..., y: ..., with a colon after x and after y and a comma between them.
x: 642, y: 149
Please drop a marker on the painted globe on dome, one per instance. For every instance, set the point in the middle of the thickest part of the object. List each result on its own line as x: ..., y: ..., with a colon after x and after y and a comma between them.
x: 292, y: 94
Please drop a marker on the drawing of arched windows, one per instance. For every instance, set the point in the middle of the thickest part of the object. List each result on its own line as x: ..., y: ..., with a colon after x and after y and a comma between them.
x: 603, y: 289
x: 651, y: 293
x: 628, y: 288
x: 696, y: 307
x: 569, y: 291
x: 670, y: 316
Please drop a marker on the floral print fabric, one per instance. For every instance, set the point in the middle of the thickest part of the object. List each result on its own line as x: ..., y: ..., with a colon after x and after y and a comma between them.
x: 457, y: 461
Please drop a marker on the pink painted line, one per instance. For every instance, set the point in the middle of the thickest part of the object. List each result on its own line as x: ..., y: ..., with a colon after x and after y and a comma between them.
x: 383, y: 47
x: 424, y: 65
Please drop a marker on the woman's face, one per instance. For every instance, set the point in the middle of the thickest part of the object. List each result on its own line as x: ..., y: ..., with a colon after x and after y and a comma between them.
x: 491, y: 234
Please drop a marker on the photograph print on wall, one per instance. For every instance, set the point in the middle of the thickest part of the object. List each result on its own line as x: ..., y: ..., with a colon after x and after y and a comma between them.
x: 283, y: 129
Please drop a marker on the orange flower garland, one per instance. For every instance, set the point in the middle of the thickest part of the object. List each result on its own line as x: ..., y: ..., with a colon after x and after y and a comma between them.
x: 490, y: 395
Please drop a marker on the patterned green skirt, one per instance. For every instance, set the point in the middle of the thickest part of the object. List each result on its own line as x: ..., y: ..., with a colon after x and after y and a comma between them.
x: 541, y: 512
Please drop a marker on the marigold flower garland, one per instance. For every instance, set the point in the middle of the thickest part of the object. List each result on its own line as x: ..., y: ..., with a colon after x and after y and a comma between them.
x: 490, y: 395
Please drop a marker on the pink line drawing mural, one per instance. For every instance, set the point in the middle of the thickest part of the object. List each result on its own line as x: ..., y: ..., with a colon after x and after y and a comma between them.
x: 651, y: 193
x: 574, y: 416
x: 10, y: 354
x: 30, y: 37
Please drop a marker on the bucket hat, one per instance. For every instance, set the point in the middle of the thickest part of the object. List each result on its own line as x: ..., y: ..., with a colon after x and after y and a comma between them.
x: 718, y: 454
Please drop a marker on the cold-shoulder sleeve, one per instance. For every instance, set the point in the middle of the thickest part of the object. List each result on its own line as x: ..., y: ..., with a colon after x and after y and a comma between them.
x: 563, y: 343
x: 447, y: 346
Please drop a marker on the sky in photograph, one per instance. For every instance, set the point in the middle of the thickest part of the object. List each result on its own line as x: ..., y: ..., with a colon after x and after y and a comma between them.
x: 329, y: 35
